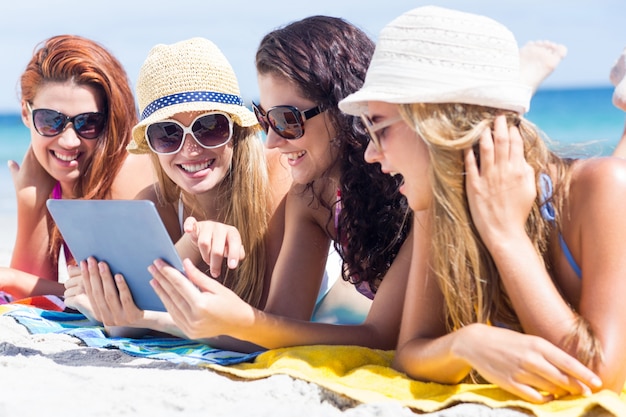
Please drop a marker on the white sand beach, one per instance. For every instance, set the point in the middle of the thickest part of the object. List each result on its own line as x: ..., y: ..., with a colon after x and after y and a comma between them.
x: 56, y: 375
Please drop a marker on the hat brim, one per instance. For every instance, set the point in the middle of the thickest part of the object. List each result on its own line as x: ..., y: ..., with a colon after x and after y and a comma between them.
x: 241, y: 115
x: 506, y: 96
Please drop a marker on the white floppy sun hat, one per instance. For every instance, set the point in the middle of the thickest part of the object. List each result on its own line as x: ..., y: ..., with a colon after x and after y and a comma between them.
x: 187, y: 76
x: 435, y: 55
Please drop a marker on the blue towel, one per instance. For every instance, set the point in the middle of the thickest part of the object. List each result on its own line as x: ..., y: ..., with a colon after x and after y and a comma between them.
x: 173, y: 349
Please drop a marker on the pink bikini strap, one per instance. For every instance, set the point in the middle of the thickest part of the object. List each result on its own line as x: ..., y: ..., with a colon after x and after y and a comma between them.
x: 57, y: 194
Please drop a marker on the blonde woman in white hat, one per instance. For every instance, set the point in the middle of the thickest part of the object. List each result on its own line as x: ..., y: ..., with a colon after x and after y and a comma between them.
x: 518, y: 268
x: 213, y: 175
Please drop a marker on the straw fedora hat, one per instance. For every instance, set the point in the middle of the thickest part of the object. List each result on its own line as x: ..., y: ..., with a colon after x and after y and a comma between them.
x: 436, y: 55
x: 191, y: 75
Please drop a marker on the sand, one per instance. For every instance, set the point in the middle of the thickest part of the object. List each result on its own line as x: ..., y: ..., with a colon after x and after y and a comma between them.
x: 54, y: 375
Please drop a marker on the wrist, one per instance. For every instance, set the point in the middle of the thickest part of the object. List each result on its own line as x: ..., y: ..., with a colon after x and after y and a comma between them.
x: 464, y: 342
x: 505, y: 242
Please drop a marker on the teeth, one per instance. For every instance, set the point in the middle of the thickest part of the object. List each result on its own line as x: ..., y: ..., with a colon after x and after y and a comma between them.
x: 66, y: 158
x: 196, y: 167
x: 295, y: 155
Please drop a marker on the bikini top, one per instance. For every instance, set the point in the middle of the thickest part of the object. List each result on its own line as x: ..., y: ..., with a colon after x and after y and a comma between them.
x: 548, y: 213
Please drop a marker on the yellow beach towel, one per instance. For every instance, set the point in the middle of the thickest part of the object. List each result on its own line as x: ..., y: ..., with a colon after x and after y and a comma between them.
x: 366, y: 376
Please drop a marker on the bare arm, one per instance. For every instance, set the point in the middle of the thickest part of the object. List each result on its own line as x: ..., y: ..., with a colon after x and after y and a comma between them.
x: 301, y: 262
x: 596, y: 238
x: 216, y: 311
x: 32, y: 270
x: 134, y: 176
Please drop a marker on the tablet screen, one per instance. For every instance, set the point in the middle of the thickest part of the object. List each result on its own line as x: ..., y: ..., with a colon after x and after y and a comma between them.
x: 127, y: 234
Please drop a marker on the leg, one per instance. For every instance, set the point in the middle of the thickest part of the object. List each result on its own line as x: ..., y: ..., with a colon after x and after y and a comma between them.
x: 618, y: 79
x: 538, y: 59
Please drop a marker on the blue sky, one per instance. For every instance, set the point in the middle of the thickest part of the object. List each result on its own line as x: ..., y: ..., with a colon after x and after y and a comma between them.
x: 593, y: 31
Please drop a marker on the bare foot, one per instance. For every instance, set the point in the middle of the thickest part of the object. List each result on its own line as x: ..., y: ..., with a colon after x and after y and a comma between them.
x: 538, y: 59
x: 618, y: 79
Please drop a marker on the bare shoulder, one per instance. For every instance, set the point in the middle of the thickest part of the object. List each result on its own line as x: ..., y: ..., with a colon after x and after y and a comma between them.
x: 148, y: 193
x: 304, y: 209
x: 599, y: 174
x: 597, y: 187
x: 134, y: 176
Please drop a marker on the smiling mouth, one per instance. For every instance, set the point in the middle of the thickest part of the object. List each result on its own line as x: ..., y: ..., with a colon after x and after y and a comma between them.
x: 295, y: 155
x: 64, y: 157
x: 191, y: 168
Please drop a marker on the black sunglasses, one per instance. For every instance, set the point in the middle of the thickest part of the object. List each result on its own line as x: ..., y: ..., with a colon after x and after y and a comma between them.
x: 210, y: 130
x: 286, y: 121
x: 50, y: 123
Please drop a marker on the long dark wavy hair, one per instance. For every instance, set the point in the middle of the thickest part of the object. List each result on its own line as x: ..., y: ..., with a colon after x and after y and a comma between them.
x: 327, y: 58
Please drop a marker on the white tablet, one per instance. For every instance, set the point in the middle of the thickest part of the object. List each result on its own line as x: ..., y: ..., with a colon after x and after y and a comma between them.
x: 127, y: 234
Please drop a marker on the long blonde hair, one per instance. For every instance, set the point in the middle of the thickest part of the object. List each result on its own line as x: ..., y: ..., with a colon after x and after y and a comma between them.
x: 246, y: 200
x: 464, y: 269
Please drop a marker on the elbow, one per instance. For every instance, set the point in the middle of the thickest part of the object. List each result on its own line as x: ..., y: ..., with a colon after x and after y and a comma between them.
x: 611, y: 370
x: 405, y: 362
x: 421, y: 361
x: 400, y: 361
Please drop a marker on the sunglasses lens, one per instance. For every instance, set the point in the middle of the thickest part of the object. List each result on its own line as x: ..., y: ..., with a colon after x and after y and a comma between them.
x: 212, y: 130
x: 51, y: 123
x: 286, y: 122
x: 164, y: 137
x: 367, y: 122
x: 48, y: 122
x: 89, y: 125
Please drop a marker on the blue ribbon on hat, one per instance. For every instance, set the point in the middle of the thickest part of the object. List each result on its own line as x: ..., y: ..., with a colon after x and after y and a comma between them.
x: 190, y: 97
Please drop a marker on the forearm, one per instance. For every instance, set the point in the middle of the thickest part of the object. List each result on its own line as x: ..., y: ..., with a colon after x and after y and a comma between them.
x: 152, y: 320
x: 438, y: 359
x: 537, y: 302
x: 273, y: 331
x: 22, y: 284
x: 232, y: 344
x: 30, y: 252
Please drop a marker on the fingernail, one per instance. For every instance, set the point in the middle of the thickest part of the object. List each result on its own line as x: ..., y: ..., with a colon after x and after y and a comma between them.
x: 596, y: 382
x: 232, y: 264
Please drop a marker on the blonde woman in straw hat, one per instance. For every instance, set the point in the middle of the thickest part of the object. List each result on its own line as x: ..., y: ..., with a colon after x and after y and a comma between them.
x: 212, y: 170
x: 518, y: 268
x: 337, y: 199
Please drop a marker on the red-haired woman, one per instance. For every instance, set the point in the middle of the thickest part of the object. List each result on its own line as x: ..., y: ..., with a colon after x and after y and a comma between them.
x: 78, y: 104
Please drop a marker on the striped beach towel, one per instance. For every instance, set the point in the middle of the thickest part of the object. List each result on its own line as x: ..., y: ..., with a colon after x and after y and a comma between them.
x: 38, y: 321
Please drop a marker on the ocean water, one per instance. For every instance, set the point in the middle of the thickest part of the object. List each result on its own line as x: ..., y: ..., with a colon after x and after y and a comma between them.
x: 583, y: 117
